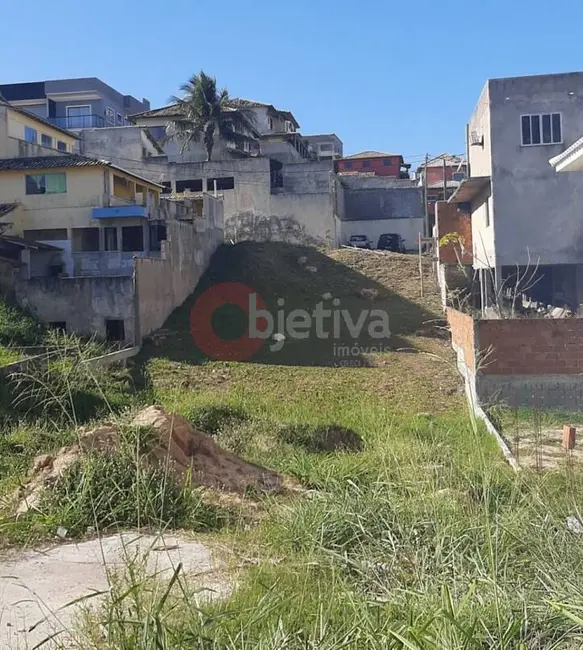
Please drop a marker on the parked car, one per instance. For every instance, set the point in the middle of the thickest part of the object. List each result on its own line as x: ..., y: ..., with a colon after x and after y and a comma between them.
x: 391, y: 241
x: 360, y: 241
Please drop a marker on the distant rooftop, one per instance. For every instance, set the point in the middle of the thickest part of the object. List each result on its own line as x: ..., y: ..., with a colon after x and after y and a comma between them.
x: 372, y: 154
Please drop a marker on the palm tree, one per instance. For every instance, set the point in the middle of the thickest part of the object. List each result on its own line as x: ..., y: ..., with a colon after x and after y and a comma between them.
x: 207, y: 114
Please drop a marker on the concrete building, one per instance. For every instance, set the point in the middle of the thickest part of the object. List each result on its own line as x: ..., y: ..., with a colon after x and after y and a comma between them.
x: 98, y: 215
x: 132, y: 302
x: 374, y: 163
x: 25, y: 134
x: 523, y: 213
x: 74, y: 103
x: 326, y: 146
x: 373, y: 206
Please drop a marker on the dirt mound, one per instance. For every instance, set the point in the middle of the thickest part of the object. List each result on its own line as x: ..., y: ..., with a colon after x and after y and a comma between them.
x: 175, y: 445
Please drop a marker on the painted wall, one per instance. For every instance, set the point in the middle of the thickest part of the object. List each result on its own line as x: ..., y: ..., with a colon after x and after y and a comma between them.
x: 83, y: 303
x: 536, y: 210
x: 480, y: 158
x: 389, y: 166
x: 18, y: 121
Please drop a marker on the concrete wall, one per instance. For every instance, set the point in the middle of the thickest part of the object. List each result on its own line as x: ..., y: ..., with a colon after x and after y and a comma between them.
x: 480, y: 158
x: 164, y: 284
x: 83, y: 303
x: 535, y: 209
x: 130, y: 143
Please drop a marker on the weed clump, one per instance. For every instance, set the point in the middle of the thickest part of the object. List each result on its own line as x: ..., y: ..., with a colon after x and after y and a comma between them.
x: 321, y: 439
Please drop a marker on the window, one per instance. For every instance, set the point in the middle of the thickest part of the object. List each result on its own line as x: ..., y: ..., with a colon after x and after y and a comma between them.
x: 46, y: 140
x: 366, y: 163
x: 227, y: 183
x: 458, y: 176
x: 132, y: 239
x: 48, y: 234
x: 109, y: 115
x: 114, y: 330
x: 79, y: 117
x: 194, y: 185
x: 61, y: 146
x: 120, y: 119
x: 348, y: 165
x: 541, y: 129
x: 85, y: 240
x: 270, y: 123
x: 30, y: 134
x: 326, y: 147
x: 157, y: 236
x: 168, y: 187
x: 387, y: 162
x: 110, y: 238
x: 46, y: 183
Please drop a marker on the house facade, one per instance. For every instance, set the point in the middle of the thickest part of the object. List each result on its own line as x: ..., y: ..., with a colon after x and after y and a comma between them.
x: 74, y: 103
x: 374, y: 163
x: 524, y: 215
x: 327, y: 146
x: 24, y: 134
x: 99, y: 216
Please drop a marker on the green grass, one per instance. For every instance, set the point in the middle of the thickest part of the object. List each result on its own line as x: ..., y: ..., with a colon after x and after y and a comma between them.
x: 421, y: 537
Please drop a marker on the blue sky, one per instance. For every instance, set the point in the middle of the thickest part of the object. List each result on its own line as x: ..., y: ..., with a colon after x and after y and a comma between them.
x: 382, y: 74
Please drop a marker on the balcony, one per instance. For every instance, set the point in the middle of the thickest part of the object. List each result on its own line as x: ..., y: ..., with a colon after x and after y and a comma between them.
x: 73, y: 122
x: 114, y: 207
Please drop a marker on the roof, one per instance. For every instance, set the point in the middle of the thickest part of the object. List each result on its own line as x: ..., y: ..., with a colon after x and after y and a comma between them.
x: 42, y: 120
x: 24, y: 243
x: 63, y: 162
x: 469, y: 189
x: 5, y: 208
x: 372, y: 154
x: 438, y: 185
x: 451, y: 160
x: 569, y: 160
x: 171, y: 110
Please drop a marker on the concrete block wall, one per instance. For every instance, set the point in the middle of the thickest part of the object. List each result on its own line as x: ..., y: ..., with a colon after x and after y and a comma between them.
x: 520, y: 362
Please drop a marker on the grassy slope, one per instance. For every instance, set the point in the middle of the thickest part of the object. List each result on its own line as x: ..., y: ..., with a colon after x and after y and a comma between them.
x: 425, y: 535
x: 423, y: 540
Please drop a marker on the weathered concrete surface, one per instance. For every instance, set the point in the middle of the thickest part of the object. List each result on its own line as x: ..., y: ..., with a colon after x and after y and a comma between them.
x: 35, y: 585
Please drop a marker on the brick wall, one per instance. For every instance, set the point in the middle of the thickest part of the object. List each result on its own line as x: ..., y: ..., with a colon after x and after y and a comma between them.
x: 531, y: 346
x: 462, y: 334
x: 449, y: 219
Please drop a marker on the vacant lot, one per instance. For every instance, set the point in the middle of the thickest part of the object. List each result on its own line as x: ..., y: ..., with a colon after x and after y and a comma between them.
x: 409, y: 530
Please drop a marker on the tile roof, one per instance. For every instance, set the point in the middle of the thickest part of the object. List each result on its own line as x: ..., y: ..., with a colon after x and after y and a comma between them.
x: 50, y: 162
x: 63, y: 162
x: 25, y: 243
x: 5, y: 208
x: 372, y: 154
x: 450, y: 161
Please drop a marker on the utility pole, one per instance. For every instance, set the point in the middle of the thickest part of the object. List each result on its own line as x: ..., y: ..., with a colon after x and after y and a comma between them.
x: 425, y: 196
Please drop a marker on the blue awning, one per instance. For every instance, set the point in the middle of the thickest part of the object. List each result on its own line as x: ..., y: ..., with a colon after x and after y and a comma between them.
x: 123, y: 211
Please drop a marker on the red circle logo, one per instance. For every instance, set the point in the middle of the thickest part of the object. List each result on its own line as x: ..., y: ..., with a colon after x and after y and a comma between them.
x: 201, y: 326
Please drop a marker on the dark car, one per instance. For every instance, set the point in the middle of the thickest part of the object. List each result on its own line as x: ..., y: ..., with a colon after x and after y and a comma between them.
x: 391, y: 242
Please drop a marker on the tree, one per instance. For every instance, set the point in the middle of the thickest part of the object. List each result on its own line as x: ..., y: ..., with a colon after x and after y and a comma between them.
x: 207, y: 114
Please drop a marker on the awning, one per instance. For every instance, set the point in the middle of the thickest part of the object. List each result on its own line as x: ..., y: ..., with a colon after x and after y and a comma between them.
x: 571, y: 160
x: 469, y: 189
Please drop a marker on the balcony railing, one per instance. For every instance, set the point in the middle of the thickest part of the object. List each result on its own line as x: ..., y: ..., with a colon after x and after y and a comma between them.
x: 79, y: 122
